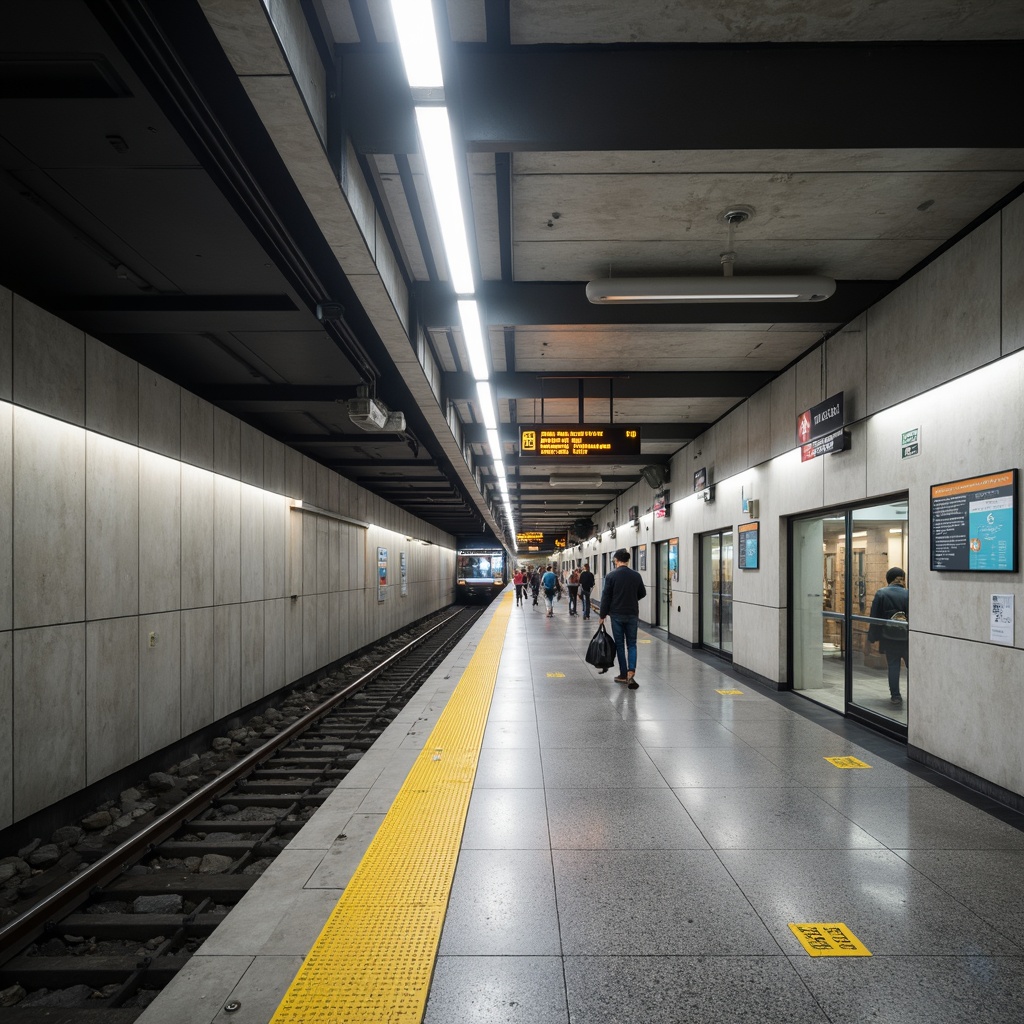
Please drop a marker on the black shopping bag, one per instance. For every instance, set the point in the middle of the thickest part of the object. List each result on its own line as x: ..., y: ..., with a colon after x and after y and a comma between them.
x: 601, y: 650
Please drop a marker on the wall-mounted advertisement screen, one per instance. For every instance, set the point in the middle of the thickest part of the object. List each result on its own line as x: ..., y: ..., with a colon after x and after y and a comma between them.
x: 749, y: 537
x: 661, y: 505
x: 974, y: 524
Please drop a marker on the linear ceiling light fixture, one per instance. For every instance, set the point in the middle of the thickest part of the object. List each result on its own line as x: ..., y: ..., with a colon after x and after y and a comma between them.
x: 417, y: 39
x: 771, y: 288
x: 472, y: 333
x: 439, y: 156
x: 486, y: 401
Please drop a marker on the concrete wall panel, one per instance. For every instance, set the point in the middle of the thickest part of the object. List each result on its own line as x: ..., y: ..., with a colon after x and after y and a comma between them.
x: 227, y: 537
x: 49, y: 521
x: 111, y: 528
x: 227, y: 659
x: 276, y: 518
x: 111, y: 392
x: 274, y: 612
x: 197, y: 669
x: 759, y: 426
x: 252, y: 652
x: 159, y: 414
x: 1012, y: 282
x: 6, y: 524
x: 49, y: 363
x: 159, y: 681
x: 49, y: 715
x: 196, y: 431
x: 111, y: 696
x: 6, y: 343
x: 6, y: 728
x: 251, y: 443
x: 784, y: 412
x: 274, y: 476
x: 942, y: 323
x: 252, y: 543
x: 293, y: 637
x: 197, y: 537
x: 227, y: 444
x: 159, y: 533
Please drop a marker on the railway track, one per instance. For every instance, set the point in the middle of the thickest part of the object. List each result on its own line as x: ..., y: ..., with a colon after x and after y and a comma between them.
x: 99, y: 947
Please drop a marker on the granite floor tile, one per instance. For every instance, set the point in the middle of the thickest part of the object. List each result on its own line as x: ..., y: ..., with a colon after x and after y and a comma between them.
x: 507, y: 819
x: 488, y: 989
x: 600, y: 768
x: 654, y: 903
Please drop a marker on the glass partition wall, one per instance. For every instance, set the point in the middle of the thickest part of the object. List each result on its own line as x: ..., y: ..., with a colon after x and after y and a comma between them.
x: 716, y: 591
x: 839, y: 563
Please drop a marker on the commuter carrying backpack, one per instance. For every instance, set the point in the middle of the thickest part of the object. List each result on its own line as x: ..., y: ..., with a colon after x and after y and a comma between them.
x: 897, y: 627
x: 601, y: 650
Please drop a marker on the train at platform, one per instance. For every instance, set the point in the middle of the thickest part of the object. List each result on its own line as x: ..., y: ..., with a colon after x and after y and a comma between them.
x: 481, y: 572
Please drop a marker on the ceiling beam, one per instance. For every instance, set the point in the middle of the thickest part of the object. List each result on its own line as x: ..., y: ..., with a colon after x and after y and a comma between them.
x: 713, y: 96
x: 648, y: 384
x: 550, y: 303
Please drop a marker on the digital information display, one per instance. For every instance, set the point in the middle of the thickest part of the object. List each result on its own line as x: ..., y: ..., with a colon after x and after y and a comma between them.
x: 748, y: 546
x: 591, y: 442
x: 819, y: 430
x: 974, y: 524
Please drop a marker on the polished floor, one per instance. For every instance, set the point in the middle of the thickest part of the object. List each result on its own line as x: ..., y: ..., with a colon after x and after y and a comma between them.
x: 640, y: 856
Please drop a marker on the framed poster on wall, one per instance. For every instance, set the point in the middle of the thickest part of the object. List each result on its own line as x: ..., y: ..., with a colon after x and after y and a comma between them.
x: 673, y: 559
x: 974, y: 524
x: 642, y: 558
x: 382, y: 573
x: 749, y: 538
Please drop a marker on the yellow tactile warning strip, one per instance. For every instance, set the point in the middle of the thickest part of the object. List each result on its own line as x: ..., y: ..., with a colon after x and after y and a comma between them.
x: 831, y: 939
x: 374, y: 959
x: 847, y: 762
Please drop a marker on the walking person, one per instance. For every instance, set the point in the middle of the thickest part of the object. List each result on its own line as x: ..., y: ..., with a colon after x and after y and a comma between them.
x: 586, y: 586
x: 620, y: 599
x: 574, y: 588
x: 517, y: 580
x: 550, y: 584
x: 534, y: 585
x: 889, y: 627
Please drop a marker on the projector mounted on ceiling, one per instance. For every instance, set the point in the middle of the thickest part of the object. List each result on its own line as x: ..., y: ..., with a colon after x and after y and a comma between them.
x: 772, y: 288
x: 372, y: 414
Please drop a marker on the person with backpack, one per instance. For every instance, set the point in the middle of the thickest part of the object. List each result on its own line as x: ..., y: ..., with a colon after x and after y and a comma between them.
x: 890, y: 627
x: 549, y: 582
x: 574, y: 588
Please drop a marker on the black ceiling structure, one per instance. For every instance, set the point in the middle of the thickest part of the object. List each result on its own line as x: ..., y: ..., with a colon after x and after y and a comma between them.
x: 144, y: 200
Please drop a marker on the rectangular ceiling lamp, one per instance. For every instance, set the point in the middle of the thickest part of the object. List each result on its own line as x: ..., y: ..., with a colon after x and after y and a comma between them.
x: 805, y: 288
x: 469, y: 314
x: 439, y: 156
x: 495, y: 442
x: 486, y: 399
x: 417, y: 39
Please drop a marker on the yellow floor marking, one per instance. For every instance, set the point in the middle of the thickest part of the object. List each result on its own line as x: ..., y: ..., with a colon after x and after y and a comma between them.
x: 375, y: 956
x: 847, y: 762
x: 833, y: 939
x: 728, y: 691
x: 556, y: 675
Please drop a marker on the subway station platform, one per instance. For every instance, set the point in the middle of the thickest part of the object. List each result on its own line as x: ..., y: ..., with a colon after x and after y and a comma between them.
x: 680, y: 852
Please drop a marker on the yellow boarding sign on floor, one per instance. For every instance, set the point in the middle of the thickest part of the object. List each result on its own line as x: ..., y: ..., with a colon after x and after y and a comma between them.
x: 728, y: 691
x: 846, y: 762
x: 556, y: 675
x: 832, y: 939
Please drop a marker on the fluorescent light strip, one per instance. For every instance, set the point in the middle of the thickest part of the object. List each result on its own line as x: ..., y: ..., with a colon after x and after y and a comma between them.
x: 469, y: 313
x: 495, y: 442
x: 483, y: 391
x: 417, y: 39
x: 499, y: 468
x: 439, y: 156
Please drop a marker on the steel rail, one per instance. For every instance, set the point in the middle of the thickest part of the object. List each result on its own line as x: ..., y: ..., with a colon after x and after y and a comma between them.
x: 32, y: 923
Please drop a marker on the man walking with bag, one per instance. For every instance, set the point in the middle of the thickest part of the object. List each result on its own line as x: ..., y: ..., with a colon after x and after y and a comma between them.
x: 586, y: 586
x: 620, y: 599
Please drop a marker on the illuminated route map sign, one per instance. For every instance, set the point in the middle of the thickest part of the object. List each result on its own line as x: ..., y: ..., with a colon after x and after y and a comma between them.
x: 974, y: 524
x: 590, y: 442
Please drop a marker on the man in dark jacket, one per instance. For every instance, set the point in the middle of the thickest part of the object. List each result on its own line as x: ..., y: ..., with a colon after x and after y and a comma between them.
x: 586, y: 586
x: 890, y: 629
x: 620, y: 598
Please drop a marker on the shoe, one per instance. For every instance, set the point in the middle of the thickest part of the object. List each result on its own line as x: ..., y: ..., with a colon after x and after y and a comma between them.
x: 897, y: 699
x: 633, y: 685
x: 621, y: 679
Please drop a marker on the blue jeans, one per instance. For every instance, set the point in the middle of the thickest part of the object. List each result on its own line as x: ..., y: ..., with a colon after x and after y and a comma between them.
x: 585, y: 598
x: 624, y: 634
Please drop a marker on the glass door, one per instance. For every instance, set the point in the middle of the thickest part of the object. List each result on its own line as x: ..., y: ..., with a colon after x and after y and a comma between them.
x: 716, y: 591
x: 663, y: 577
x: 839, y: 562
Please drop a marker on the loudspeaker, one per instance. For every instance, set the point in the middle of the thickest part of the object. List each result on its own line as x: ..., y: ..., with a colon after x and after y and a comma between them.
x: 655, y: 475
